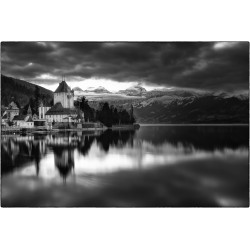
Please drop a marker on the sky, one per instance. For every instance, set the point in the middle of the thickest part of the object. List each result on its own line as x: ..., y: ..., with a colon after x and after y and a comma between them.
x: 206, y: 66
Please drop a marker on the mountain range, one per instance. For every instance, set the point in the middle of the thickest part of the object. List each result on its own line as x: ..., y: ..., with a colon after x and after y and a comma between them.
x: 133, y: 91
x: 192, y: 109
x: 78, y: 91
x: 156, y: 106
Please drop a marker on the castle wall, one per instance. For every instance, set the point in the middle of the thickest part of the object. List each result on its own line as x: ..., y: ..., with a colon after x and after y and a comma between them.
x: 42, y: 111
x: 66, y: 99
x: 58, y: 118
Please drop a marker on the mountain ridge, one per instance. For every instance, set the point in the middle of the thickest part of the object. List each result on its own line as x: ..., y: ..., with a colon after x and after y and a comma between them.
x: 156, y: 106
x: 21, y: 90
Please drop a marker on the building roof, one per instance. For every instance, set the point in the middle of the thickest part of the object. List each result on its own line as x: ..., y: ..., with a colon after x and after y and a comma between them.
x: 29, y: 119
x: 12, y: 105
x: 63, y: 87
x: 29, y: 112
x: 3, y: 109
x: 26, y: 118
x: 58, y: 109
x: 19, y: 117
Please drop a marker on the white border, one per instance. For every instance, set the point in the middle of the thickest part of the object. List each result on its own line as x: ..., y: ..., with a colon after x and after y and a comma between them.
x: 126, y: 21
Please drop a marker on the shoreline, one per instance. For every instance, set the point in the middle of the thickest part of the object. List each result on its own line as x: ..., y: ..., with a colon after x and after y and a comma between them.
x: 118, y: 127
x: 6, y: 131
x: 192, y: 124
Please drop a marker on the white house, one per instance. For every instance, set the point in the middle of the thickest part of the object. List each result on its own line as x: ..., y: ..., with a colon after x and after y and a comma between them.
x: 23, y: 121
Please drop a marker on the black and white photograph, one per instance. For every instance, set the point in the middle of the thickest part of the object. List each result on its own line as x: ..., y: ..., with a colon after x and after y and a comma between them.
x: 125, y: 124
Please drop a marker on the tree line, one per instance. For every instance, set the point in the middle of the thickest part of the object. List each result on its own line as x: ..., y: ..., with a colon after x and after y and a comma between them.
x: 106, y: 114
x: 35, y: 102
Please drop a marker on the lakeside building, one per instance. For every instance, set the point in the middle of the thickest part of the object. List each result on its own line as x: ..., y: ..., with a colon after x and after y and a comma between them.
x: 63, y: 109
x: 24, y: 121
x: 42, y: 111
x: 11, y: 111
x: 12, y: 114
x: 4, y: 120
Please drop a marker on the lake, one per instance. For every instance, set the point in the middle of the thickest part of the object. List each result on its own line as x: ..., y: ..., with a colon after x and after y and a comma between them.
x: 155, y: 166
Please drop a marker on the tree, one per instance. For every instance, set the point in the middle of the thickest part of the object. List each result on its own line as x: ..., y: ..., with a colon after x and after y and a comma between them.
x: 109, y: 115
x: 37, y: 99
x: 115, y: 116
x: 83, y: 105
x: 105, y: 115
x: 31, y: 103
x: 131, y: 113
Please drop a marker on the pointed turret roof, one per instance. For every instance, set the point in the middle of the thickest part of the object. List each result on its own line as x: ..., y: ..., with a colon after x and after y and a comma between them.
x: 63, y: 87
x: 29, y: 112
x: 58, y: 109
x: 13, y: 105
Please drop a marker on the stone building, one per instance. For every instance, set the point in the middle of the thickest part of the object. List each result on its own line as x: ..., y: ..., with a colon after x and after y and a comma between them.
x: 12, y: 111
x: 23, y: 121
x: 42, y: 111
x: 64, y: 95
x: 63, y: 109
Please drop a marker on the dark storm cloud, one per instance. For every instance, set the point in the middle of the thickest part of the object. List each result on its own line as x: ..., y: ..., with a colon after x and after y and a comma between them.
x: 199, y: 65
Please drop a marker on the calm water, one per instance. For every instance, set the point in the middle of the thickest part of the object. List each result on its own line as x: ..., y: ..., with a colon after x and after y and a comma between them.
x: 154, y: 166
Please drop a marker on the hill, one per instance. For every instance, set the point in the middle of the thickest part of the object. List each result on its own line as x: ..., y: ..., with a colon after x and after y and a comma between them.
x: 21, y: 90
x: 193, y: 109
x: 186, y: 107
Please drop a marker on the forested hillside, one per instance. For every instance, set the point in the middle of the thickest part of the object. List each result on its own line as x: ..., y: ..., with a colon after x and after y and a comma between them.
x: 22, y: 91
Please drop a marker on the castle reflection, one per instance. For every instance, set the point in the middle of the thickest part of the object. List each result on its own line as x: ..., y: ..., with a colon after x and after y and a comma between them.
x: 153, y: 166
x: 64, y: 160
x: 20, y: 151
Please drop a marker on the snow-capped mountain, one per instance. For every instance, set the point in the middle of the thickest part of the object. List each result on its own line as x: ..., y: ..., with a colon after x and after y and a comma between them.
x: 205, y: 108
x: 77, y: 89
x: 174, y: 92
x: 241, y: 96
x: 134, y: 91
x: 99, y: 89
x: 89, y: 89
x: 164, y: 105
x: 181, y: 106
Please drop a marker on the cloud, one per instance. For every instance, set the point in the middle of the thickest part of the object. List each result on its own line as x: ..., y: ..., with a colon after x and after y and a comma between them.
x: 199, y: 65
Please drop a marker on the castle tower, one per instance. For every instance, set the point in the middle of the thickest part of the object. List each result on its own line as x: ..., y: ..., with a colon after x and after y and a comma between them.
x: 42, y: 111
x: 29, y: 112
x: 64, y: 95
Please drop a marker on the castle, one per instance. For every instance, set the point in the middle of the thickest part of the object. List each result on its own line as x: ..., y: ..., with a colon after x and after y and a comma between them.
x: 63, y: 109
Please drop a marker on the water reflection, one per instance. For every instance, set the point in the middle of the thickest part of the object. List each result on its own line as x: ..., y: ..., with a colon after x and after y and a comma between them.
x: 154, y: 166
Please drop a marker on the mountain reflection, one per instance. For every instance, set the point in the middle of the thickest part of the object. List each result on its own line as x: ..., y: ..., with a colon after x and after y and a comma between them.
x: 19, y: 151
x: 115, y: 138
x: 154, y: 166
x: 207, y: 138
